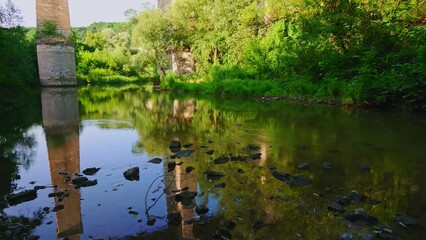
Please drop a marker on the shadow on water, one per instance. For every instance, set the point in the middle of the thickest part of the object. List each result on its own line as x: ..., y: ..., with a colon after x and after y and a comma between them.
x: 263, y: 150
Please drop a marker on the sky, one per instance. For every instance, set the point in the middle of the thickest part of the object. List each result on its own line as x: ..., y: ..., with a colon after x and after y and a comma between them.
x: 85, y: 12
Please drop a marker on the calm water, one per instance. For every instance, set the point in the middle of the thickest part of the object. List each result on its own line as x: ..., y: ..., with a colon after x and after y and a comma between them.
x: 117, y: 129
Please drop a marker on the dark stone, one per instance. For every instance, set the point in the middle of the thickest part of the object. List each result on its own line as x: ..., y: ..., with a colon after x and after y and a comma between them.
x: 326, y: 165
x: 25, y: 196
x: 187, y: 145
x: 405, y: 220
x: 155, y: 160
x: 298, y: 181
x: 202, y: 146
x: 185, y: 189
x: 253, y: 147
x: 186, y: 197
x: 174, y: 218
x: 209, y: 152
x: 91, y: 171
x: 238, y: 158
x: 357, y: 197
x: 209, y: 141
x: 372, y: 201
x: 219, y: 185
x: 272, y: 167
x: 222, y: 234
x: 240, y: 171
x: 343, y: 200
x: 303, y: 146
x: 364, y: 167
x: 282, y: 199
x: 182, y: 154
x: 202, y: 209
x: 255, y: 156
x: 151, y: 221
x: 212, y: 175
x: 32, y: 182
x: 360, y: 218
x: 171, y: 166
x: 89, y: 183
x: 303, y: 165
x: 175, y: 146
x: 228, y: 225
x: 132, y: 174
x: 39, y: 187
x: 58, y: 208
x: 258, y: 225
x: 282, y: 176
x: 179, y: 163
x: 79, y: 180
x: 336, y: 207
x: 56, y: 194
x: 134, y: 213
x: 221, y: 160
x: 189, y: 169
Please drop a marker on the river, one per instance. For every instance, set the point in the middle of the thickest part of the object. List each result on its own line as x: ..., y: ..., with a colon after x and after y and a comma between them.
x: 279, y: 168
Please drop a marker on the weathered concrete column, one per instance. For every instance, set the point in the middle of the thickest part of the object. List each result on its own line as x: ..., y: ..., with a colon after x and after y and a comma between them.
x: 55, y: 54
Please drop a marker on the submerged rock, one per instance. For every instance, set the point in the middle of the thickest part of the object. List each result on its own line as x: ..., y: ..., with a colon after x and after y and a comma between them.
x: 221, y: 160
x: 357, y: 197
x: 228, y: 225
x: 132, y: 174
x: 151, y: 221
x: 25, y: 196
x: 336, y: 207
x: 220, y: 185
x: 91, y: 171
x: 255, y: 156
x: 186, y: 197
x: 89, y: 183
x: 326, y: 165
x: 405, y: 220
x: 58, y: 208
x: 175, y: 146
x: 201, y: 209
x: 238, y: 158
x: 209, y: 152
x: 189, y: 169
x: 253, y: 147
x: 212, y: 175
x: 182, y: 154
x: 187, y: 145
x: 155, y: 160
x: 171, y: 166
x: 56, y: 194
x: 360, y: 218
x: 297, y: 181
x: 282, y: 176
x: 174, y: 218
x: 258, y: 225
x: 78, y: 180
x: 303, y: 165
x: 222, y: 234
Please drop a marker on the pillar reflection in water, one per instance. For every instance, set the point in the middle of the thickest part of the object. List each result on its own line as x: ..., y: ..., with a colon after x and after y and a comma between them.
x: 61, y: 126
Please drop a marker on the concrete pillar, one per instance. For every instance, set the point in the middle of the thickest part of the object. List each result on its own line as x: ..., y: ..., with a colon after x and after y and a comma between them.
x: 61, y: 124
x: 55, y: 54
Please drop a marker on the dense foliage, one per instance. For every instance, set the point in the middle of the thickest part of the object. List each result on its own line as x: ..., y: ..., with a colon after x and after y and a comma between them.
x: 18, y: 56
x: 358, y: 52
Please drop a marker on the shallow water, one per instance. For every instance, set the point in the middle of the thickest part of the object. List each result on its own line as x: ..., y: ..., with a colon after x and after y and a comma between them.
x: 117, y: 129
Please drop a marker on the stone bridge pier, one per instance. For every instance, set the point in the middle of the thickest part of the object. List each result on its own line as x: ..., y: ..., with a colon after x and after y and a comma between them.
x: 55, y: 52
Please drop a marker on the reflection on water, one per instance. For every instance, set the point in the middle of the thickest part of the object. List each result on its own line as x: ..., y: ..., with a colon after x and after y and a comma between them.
x: 61, y: 122
x: 116, y: 129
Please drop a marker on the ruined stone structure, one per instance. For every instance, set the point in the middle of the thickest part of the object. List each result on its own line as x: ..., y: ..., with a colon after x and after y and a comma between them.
x: 61, y: 124
x: 180, y: 61
x: 55, y: 54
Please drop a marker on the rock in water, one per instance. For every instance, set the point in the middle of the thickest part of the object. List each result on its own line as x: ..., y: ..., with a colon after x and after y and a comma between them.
x: 360, y: 217
x: 202, y: 209
x: 79, y: 180
x: 212, y: 175
x: 155, y: 160
x: 171, y: 166
x: 175, y: 146
x: 89, y: 183
x: 132, y: 174
x: 221, y: 160
x: 189, y: 169
x: 25, y: 196
x: 91, y: 171
x: 303, y: 166
x: 336, y: 207
x: 405, y: 220
x: 174, y: 218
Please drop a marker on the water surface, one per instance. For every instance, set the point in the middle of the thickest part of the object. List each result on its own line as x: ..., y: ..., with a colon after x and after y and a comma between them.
x: 119, y: 128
